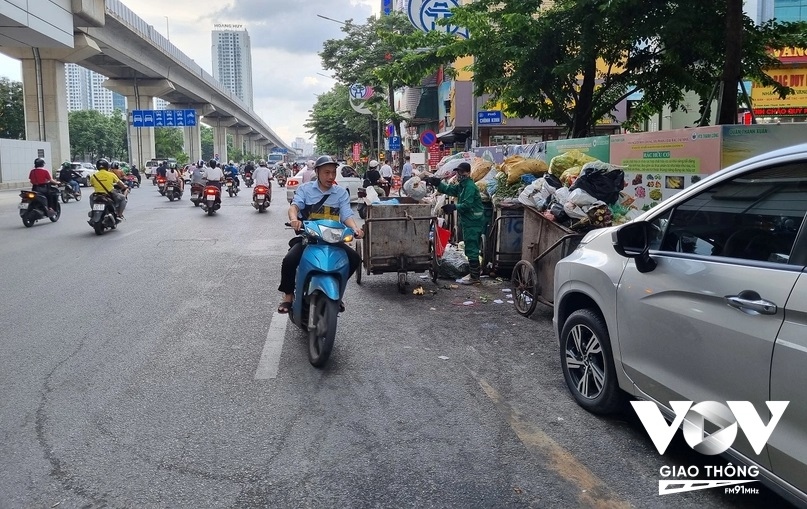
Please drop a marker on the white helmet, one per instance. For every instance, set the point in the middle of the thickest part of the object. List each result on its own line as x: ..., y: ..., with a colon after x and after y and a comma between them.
x: 373, y: 164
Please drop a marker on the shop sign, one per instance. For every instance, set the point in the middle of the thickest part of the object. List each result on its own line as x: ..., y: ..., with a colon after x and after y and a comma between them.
x: 790, y: 55
x: 766, y: 97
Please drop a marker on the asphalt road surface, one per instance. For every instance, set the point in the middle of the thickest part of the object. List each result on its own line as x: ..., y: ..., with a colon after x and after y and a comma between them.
x: 147, y: 368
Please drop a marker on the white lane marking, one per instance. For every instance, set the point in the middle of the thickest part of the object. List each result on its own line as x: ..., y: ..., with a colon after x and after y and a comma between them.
x: 270, y: 357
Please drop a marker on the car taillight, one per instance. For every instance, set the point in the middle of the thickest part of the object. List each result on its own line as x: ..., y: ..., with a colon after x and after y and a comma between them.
x: 292, y: 182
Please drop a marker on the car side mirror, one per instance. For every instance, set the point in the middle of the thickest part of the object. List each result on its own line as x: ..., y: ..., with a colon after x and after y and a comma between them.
x: 633, y: 241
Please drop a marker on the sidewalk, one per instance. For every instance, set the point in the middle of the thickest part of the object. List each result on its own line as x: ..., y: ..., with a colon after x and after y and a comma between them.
x: 20, y: 184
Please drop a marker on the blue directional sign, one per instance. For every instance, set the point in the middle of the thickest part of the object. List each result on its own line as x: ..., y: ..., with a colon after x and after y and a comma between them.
x: 395, y: 143
x: 278, y: 150
x: 386, y: 7
x: 163, y: 118
x: 489, y: 117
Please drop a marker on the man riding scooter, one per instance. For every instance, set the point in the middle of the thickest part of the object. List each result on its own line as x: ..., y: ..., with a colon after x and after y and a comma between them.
x: 68, y: 176
x: 318, y: 199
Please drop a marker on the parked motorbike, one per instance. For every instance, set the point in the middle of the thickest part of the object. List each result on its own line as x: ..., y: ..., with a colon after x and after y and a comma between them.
x: 161, y: 184
x: 320, y: 284
x: 31, y: 210
x: 102, y: 213
x: 212, y: 200
x: 248, y: 179
x: 262, y: 197
x: 68, y: 194
x: 197, y: 190
x: 232, y: 189
x: 172, y: 191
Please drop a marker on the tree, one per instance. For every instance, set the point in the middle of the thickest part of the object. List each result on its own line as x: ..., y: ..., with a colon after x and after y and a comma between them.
x: 12, y: 110
x: 335, y: 124
x: 575, y: 61
x: 168, y: 142
x: 206, y: 133
x: 383, y: 53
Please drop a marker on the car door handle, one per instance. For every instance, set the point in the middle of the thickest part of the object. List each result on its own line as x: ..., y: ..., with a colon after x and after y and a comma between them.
x: 749, y: 301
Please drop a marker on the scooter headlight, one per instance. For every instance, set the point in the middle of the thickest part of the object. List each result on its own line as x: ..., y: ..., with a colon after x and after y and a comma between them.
x: 331, y: 235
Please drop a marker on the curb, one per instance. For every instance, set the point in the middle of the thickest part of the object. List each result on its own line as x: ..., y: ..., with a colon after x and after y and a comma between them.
x: 14, y: 185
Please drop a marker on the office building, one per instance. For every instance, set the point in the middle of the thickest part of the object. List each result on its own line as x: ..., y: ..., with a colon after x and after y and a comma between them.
x: 85, y: 91
x: 232, y: 60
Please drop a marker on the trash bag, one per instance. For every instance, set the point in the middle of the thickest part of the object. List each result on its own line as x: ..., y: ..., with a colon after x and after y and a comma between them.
x: 561, y: 163
x: 453, y: 264
x: 601, y: 180
x: 415, y: 188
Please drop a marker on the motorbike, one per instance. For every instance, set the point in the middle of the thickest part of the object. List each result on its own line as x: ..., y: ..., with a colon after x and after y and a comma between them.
x: 262, y: 197
x: 211, y: 201
x: 232, y: 189
x: 172, y: 191
x: 67, y: 193
x: 102, y: 213
x: 281, y: 180
x: 161, y: 184
x: 197, y: 190
x: 248, y: 179
x: 31, y: 210
x: 131, y: 181
x: 320, y: 284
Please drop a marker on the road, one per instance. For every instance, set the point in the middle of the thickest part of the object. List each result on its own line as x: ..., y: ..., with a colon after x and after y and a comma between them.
x: 147, y: 368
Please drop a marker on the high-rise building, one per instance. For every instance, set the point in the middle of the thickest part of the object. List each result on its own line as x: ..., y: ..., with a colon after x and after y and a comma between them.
x: 85, y: 91
x: 232, y: 60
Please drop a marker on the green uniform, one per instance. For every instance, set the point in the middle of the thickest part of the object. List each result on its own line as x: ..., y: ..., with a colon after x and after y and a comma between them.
x: 471, y: 213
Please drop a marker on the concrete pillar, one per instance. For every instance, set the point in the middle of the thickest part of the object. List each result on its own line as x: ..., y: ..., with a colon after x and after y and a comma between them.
x: 192, y: 142
x: 45, y: 99
x: 141, y: 139
x: 220, y: 126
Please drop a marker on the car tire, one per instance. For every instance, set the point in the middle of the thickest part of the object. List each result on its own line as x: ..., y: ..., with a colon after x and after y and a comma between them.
x: 587, y: 362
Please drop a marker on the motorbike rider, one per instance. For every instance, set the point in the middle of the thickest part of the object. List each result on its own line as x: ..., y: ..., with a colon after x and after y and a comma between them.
x: 162, y: 169
x: 40, y: 178
x: 232, y: 171
x: 249, y: 168
x: 262, y: 175
x: 198, y: 174
x: 136, y: 173
x: 69, y: 176
x: 172, y: 175
x: 319, y: 199
x: 213, y: 174
x: 105, y: 182
x: 114, y: 167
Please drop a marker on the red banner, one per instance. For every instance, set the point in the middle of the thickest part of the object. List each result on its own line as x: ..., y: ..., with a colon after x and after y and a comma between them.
x: 780, y: 111
x: 356, y: 151
x: 435, y: 154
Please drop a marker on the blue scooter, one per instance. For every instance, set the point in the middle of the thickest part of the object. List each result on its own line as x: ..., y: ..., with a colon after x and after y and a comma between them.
x: 321, y: 280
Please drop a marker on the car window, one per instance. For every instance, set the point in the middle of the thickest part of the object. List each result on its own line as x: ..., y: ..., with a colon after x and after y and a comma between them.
x: 755, y: 216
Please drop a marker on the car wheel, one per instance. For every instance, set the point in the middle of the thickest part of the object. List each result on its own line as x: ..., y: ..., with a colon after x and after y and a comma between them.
x: 587, y: 363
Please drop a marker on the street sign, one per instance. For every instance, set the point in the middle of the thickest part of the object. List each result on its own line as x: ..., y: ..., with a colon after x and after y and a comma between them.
x: 424, y: 14
x: 491, y: 117
x: 278, y: 150
x: 434, y: 155
x: 428, y: 138
x: 163, y: 118
x: 395, y: 143
x: 356, y: 151
x: 386, y: 7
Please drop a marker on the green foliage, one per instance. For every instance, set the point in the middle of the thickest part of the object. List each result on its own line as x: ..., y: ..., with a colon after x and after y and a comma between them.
x: 168, y: 142
x: 93, y: 135
x: 544, y: 63
x: 206, y: 134
x: 12, y: 112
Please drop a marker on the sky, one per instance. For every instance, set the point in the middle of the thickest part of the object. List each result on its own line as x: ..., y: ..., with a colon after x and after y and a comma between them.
x: 286, y: 36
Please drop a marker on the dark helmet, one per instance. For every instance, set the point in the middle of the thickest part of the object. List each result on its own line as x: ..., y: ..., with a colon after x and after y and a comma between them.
x: 67, y: 166
x: 324, y: 160
x: 39, y: 162
x: 102, y: 163
x: 115, y: 165
x: 212, y: 163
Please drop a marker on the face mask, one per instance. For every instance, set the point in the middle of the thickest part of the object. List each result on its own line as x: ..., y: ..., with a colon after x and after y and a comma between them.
x: 462, y: 176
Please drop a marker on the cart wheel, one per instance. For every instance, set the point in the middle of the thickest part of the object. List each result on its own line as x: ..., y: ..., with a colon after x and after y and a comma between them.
x: 361, y: 265
x: 402, y: 282
x: 525, y: 287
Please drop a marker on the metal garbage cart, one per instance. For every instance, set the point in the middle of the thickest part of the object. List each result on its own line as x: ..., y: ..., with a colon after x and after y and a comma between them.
x: 397, y: 239
x: 545, y: 244
x: 501, y: 244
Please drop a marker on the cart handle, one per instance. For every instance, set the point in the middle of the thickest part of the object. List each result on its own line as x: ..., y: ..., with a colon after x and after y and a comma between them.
x: 553, y: 246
